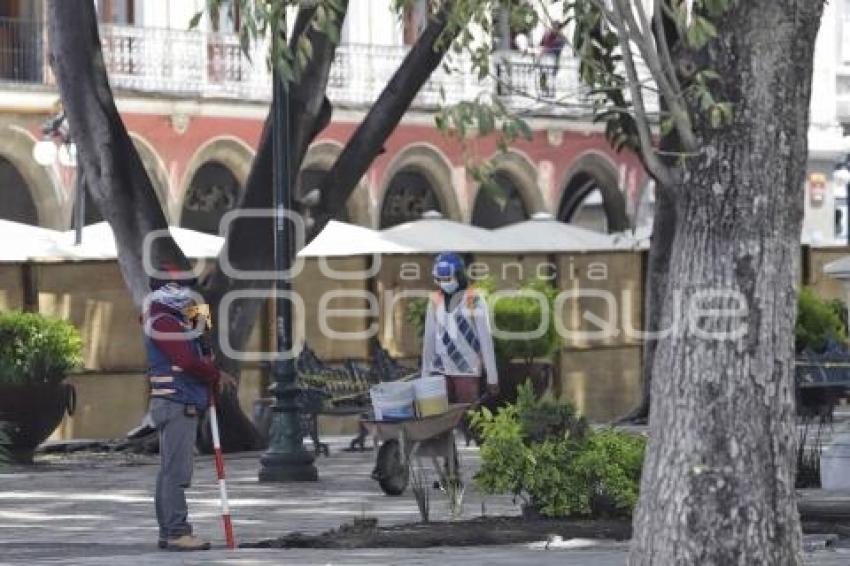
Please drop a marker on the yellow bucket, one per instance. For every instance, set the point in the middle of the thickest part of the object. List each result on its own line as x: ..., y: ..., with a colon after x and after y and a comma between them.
x: 432, y: 406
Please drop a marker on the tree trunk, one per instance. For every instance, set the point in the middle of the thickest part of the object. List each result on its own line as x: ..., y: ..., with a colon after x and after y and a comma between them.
x: 655, y: 286
x: 114, y: 173
x: 718, y: 481
x: 250, y: 244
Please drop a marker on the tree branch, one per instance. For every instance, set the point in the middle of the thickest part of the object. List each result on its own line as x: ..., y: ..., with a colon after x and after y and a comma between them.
x: 653, y: 163
x: 386, y: 113
x: 250, y: 246
x: 664, y: 40
x: 647, y: 46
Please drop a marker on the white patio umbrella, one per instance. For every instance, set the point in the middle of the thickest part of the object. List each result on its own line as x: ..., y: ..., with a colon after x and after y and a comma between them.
x: 98, y: 242
x: 434, y: 234
x: 339, y: 239
x: 838, y: 269
x: 543, y: 234
x: 19, y: 242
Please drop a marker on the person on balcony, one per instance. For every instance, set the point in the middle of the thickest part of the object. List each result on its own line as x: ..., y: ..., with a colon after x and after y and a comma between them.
x: 458, y: 341
x: 182, y: 375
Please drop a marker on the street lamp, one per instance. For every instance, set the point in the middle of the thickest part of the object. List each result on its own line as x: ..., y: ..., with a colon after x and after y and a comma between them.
x: 841, y: 178
x: 286, y: 459
x: 45, y: 153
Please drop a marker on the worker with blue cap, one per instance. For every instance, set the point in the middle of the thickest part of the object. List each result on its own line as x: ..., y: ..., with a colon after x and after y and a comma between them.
x: 458, y: 341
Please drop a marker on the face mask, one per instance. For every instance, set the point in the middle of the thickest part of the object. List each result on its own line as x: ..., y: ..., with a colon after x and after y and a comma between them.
x: 450, y: 286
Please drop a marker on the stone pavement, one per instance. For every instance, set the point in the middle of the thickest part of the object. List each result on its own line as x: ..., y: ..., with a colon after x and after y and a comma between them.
x: 89, y: 509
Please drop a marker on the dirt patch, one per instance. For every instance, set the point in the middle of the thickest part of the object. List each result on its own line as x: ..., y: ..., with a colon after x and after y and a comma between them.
x: 485, y: 531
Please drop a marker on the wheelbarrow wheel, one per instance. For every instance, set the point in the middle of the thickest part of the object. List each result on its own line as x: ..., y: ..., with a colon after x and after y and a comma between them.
x: 391, y: 472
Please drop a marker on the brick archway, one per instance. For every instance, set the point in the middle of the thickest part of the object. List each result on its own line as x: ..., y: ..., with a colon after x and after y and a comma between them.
x: 428, y: 163
x: 594, y: 172
x: 16, y: 147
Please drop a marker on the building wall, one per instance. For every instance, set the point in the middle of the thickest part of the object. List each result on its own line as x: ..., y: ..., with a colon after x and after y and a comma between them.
x: 815, y: 260
x: 175, y: 141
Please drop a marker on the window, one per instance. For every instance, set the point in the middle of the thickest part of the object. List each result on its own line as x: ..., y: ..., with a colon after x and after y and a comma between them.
x: 227, y: 20
x: 410, y: 194
x: 213, y: 192
x: 841, y: 218
x: 499, y: 205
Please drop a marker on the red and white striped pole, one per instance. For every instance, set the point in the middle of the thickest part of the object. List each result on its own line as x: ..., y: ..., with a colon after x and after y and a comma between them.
x: 219, y: 468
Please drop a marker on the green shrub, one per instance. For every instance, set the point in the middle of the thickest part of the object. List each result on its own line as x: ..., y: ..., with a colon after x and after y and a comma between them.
x: 36, y: 350
x: 417, y: 310
x: 818, y: 321
x: 526, y: 313
x: 543, y: 453
x: 512, y: 314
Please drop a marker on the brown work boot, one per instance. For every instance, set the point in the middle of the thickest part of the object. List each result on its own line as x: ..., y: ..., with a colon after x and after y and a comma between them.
x: 185, y: 543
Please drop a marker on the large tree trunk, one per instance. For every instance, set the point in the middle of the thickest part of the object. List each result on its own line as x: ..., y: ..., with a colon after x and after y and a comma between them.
x: 250, y: 244
x: 718, y: 481
x: 114, y: 172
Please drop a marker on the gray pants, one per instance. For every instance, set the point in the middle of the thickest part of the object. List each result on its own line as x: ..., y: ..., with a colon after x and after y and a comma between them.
x: 177, y: 433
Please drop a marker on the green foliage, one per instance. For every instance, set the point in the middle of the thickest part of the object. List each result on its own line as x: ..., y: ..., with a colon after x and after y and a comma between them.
x: 417, y: 310
x: 818, y: 321
x: 37, y: 350
x: 839, y: 307
x: 542, y: 452
x: 524, y: 312
x: 530, y: 310
x: 484, y: 116
x: 268, y: 18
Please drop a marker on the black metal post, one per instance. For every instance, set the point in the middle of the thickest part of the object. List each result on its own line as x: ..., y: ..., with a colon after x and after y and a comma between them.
x: 286, y: 459
x: 79, y: 205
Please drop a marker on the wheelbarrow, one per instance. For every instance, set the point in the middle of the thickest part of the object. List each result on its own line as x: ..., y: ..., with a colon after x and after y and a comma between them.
x: 411, y: 440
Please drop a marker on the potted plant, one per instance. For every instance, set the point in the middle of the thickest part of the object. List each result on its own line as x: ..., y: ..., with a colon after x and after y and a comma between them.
x: 36, y: 354
x: 521, y: 359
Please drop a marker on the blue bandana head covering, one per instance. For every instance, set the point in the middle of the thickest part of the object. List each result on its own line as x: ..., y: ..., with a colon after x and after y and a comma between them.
x: 447, y: 264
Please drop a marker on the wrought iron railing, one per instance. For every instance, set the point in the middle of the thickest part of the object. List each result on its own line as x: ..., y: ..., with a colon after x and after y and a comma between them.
x: 212, y: 65
x: 21, y: 51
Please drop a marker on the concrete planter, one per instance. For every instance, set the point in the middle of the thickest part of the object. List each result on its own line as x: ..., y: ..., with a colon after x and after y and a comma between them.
x: 29, y: 414
x: 516, y: 373
x: 835, y: 463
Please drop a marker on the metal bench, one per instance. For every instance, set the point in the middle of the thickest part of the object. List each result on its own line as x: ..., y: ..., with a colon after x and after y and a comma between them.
x: 336, y: 391
x: 821, y: 379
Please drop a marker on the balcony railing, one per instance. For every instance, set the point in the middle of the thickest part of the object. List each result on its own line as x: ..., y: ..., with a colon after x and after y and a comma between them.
x: 21, y: 51
x: 211, y: 65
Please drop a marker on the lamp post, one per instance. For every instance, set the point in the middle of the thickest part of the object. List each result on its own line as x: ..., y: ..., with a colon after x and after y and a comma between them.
x: 841, y: 178
x: 45, y: 153
x: 286, y: 459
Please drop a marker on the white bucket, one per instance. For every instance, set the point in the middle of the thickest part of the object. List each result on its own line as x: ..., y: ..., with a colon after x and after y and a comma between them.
x: 432, y: 396
x: 835, y: 463
x: 392, y: 401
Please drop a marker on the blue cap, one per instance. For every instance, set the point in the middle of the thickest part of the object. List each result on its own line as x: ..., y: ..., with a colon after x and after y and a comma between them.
x: 447, y: 264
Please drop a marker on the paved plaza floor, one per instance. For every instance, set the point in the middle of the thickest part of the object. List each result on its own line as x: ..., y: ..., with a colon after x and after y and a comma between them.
x: 89, y: 509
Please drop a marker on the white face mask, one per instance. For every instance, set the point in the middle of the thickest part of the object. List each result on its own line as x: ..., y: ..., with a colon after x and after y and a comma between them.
x: 450, y: 286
